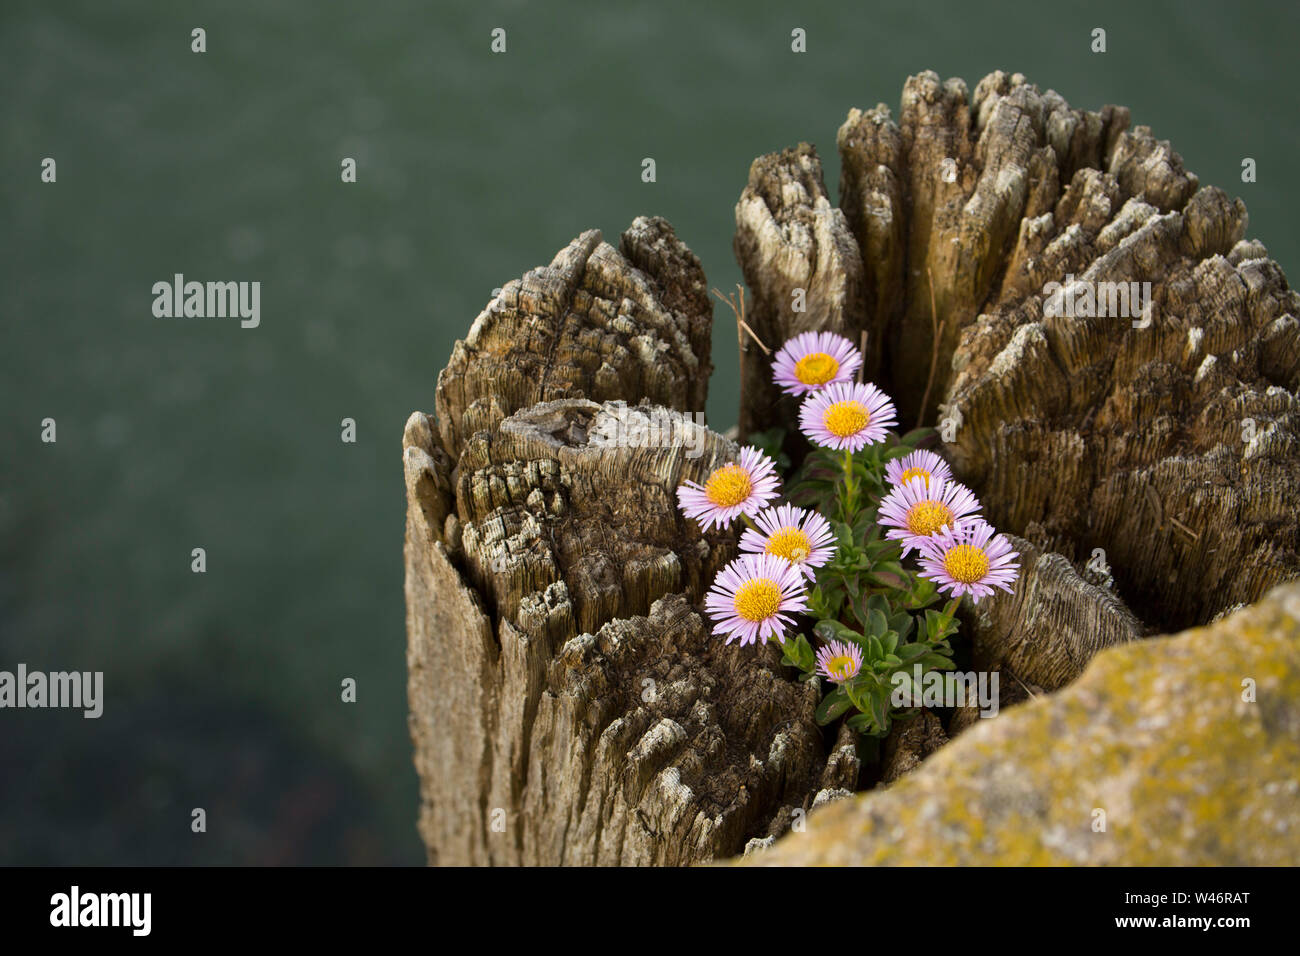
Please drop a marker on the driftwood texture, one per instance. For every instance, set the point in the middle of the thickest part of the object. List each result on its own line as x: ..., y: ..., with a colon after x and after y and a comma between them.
x: 1170, y: 447
x: 567, y: 702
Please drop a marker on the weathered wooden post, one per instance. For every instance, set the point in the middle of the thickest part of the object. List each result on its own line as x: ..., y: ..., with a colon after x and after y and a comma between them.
x: 568, y: 704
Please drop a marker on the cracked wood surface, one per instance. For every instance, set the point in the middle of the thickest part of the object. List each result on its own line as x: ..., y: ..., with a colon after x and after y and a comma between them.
x: 562, y: 681
x: 1170, y: 446
x: 568, y: 703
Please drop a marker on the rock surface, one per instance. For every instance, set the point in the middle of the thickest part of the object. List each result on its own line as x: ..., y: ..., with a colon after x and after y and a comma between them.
x: 1155, y: 734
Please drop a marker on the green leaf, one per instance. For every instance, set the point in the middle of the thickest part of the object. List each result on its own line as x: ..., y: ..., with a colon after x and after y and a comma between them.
x: 910, y: 653
x: 828, y: 630
x: 933, y: 623
x: 935, y: 629
x: 859, y: 607
x: 880, y: 711
x: 832, y: 706
x: 924, y: 593
x: 877, y: 622
x: 887, y: 580
x: 799, y: 652
x: 936, y: 662
x: 914, y: 438
x: 825, y: 600
x: 859, y: 723
x: 852, y: 587
x: 874, y: 651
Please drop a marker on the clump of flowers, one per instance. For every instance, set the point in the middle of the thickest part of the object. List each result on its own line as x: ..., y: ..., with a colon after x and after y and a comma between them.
x: 823, y: 572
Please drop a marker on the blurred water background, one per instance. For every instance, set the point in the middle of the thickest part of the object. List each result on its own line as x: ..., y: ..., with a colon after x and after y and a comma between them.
x: 223, y: 689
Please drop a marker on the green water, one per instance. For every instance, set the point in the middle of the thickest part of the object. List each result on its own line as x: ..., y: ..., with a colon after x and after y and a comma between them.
x: 223, y: 689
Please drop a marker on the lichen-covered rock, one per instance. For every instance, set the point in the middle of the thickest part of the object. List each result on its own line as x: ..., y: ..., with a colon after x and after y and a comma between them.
x: 1186, y: 748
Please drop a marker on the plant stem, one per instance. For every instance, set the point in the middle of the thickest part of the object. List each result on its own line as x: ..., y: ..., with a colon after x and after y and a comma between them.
x: 850, y: 489
x: 949, y: 610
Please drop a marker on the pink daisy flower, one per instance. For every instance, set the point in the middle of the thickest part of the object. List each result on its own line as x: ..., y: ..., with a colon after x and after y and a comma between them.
x: 737, y: 488
x: 918, y: 464
x: 753, y: 598
x: 970, y: 559
x: 917, y: 509
x: 811, y: 361
x: 802, y: 537
x: 847, y: 416
x: 839, y: 661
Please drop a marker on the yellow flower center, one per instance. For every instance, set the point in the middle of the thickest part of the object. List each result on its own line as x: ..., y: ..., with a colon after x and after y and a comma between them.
x: 789, y: 543
x: 758, y: 599
x: 845, y: 418
x: 840, y: 666
x: 816, y: 368
x: 966, y: 563
x: 728, y: 486
x: 927, y: 517
x: 916, y: 473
